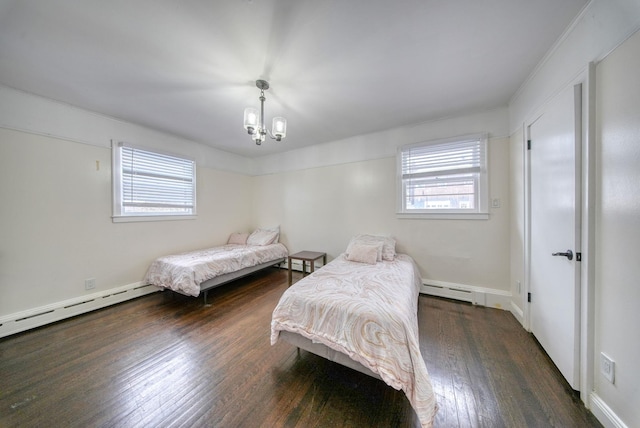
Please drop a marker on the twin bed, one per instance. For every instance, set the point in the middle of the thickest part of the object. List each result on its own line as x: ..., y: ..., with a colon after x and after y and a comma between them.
x: 197, y: 272
x: 359, y: 310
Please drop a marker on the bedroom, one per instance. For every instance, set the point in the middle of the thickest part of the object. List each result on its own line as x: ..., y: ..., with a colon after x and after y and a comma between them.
x: 56, y: 186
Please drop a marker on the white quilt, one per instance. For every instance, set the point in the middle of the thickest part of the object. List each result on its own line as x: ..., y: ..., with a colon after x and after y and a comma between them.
x: 185, y: 272
x: 369, y: 313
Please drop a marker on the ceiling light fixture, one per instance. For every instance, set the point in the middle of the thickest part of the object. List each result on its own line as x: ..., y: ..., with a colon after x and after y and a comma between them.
x: 254, y: 123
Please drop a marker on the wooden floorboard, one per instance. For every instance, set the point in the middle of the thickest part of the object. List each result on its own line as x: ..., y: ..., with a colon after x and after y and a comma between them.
x: 166, y: 360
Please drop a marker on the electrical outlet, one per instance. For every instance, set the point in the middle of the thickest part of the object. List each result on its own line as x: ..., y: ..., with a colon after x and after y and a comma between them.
x: 607, y: 367
x: 495, y: 203
x: 89, y: 284
x: 519, y: 287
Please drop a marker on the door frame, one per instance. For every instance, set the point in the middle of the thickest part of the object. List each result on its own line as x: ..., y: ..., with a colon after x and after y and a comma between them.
x: 587, y: 234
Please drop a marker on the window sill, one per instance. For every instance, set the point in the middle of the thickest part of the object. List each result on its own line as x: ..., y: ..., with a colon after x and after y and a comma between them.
x: 140, y: 218
x: 442, y: 216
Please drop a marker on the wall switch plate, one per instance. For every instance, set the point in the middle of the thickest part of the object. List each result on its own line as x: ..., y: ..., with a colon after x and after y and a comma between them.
x: 495, y: 203
x: 89, y: 284
x: 607, y: 367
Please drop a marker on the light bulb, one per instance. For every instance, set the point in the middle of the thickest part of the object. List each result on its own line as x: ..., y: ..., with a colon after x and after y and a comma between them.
x: 250, y: 119
x: 279, y: 128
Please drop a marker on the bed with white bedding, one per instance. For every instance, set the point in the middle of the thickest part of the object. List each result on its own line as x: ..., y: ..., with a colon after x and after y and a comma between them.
x: 197, y: 272
x: 362, y: 314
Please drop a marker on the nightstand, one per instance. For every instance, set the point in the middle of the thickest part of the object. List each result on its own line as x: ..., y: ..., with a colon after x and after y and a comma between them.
x: 307, y: 256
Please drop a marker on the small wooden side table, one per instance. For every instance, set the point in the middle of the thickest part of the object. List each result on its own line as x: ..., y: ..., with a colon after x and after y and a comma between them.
x: 307, y: 256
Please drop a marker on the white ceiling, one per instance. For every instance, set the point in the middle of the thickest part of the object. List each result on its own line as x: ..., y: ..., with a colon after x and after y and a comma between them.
x: 336, y: 68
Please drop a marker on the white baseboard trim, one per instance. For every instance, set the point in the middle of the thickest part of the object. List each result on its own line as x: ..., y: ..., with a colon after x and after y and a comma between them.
x: 517, y: 313
x: 603, y: 412
x: 468, y: 293
x: 36, y: 317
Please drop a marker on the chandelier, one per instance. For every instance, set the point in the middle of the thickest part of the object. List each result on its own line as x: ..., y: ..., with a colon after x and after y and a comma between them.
x: 254, y: 122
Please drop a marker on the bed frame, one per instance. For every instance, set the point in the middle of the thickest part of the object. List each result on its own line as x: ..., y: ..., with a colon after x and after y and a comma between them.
x: 323, y: 351
x: 232, y: 276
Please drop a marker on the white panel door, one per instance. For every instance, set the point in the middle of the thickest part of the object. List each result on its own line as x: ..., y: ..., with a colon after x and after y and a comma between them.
x: 554, y: 159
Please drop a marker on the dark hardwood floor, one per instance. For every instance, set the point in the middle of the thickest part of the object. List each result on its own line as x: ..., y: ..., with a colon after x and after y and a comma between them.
x: 165, y: 360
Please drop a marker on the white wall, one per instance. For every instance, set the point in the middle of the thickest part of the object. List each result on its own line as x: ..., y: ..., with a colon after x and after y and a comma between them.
x: 27, y: 112
x: 618, y: 227
x: 602, y: 26
x: 384, y: 144
x: 56, y: 229
x: 326, y: 201
x: 601, y: 33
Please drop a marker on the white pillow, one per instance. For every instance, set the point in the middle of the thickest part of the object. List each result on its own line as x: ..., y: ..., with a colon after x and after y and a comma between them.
x: 262, y: 237
x: 275, y: 229
x: 354, y: 243
x: 238, y: 238
x: 388, y: 244
x: 364, y: 253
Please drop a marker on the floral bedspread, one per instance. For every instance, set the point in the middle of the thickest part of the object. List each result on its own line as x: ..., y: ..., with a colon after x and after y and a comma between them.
x: 369, y: 313
x: 185, y: 272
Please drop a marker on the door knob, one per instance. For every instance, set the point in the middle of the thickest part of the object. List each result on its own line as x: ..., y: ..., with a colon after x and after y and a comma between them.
x: 568, y: 254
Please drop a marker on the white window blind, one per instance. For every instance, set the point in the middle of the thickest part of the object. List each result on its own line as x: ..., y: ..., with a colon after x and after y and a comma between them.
x: 152, y: 183
x: 444, y: 176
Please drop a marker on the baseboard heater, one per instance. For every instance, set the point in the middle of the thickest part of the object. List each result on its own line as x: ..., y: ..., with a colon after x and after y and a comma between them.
x: 297, y: 265
x: 467, y: 293
x: 26, y: 320
x: 448, y: 292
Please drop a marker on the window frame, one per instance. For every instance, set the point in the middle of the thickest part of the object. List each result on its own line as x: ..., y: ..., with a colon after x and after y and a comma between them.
x: 481, y: 181
x: 119, y: 213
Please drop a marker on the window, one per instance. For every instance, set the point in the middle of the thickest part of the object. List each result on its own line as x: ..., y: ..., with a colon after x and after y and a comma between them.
x: 150, y: 185
x: 444, y: 178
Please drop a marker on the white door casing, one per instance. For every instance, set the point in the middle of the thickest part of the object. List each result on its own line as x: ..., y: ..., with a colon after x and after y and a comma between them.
x: 554, y: 203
